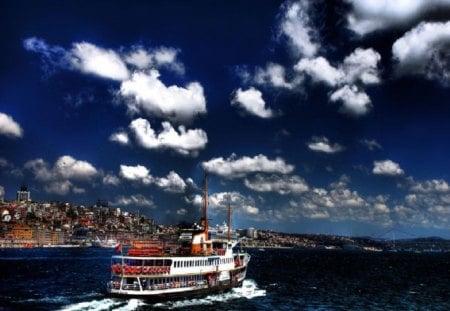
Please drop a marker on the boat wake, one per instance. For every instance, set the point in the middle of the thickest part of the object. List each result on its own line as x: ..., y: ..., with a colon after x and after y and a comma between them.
x: 106, y: 304
x: 248, y: 290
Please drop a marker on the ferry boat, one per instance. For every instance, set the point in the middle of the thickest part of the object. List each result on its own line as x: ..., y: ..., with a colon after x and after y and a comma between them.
x: 106, y: 243
x: 201, y: 264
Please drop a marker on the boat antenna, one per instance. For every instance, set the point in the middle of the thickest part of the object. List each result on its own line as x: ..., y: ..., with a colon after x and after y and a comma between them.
x: 205, y: 203
x: 229, y: 219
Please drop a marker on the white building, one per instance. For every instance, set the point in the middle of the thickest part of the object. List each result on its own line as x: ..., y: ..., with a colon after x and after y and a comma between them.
x: 23, y: 194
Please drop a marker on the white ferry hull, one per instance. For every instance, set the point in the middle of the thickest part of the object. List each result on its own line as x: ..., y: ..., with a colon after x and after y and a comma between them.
x: 174, y: 283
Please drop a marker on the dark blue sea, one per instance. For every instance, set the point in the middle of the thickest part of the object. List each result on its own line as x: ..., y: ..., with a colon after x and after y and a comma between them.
x: 278, y: 279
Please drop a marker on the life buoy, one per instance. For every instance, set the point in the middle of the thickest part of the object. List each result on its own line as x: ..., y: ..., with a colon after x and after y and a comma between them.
x: 138, y: 270
x: 145, y: 270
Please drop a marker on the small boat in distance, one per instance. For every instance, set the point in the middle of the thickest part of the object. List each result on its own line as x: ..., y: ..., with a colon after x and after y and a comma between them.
x: 106, y: 243
x: 201, y: 263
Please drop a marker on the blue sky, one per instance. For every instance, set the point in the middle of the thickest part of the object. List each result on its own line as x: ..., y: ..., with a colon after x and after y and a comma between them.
x: 324, y: 117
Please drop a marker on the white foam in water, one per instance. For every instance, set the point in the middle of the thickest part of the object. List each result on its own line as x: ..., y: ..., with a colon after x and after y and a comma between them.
x: 106, y: 304
x: 248, y: 290
x: 132, y: 304
x: 93, y: 305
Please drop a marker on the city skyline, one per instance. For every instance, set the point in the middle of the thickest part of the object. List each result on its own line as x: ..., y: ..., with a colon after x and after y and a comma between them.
x: 320, y: 117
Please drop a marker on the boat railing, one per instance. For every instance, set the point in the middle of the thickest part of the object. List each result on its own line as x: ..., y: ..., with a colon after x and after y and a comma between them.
x: 151, y: 270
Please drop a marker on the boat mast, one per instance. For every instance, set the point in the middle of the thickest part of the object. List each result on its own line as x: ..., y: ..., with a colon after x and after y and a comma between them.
x: 205, y: 204
x: 229, y: 220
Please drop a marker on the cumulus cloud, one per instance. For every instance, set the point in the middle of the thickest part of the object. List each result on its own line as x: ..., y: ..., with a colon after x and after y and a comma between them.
x: 66, y: 167
x: 371, y: 15
x: 273, y: 75
x: 185, y: 142
x: 133, y: 200
x: 322, y: 144
x: 424, y: 50
x: 427, y: 205
x: 59, y: 178
x: 138, y: 173
x: 120, y: 138
x: 361, y: 66
x: 104, y: 63
x: 251, y: 101
x: 162, y: 57
x: 61, y: 187
x: 354, y: 101
x: 146, y: 93
x: 295, y: 25
x: 281, y: 184
x: 9, y: 127
x: 358, y: 68
x: 340, y: 203
x: 387, y: 168
x: 320, y: 70
x: 431, y: 186
x: 234, y: 167
x: 2, y: 193
x: 110, y: 179
x: 172, y: 183
x: 83, y: 56
x: 241, y: 204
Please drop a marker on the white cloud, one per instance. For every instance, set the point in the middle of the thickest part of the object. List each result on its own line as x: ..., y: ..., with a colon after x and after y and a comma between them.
x: 273, y: 75
x: 355, y: 102
x: 66, y: 167
x: 240, y: 204
x: 431, y: 186
x: 89, y: 58
x: 52, y: 57
x: 234, y: 167
x: 2, y: 193
x: 295, y: 25
x: 139, y: 58
x: 424, y: 50
x: 252, y: 102
x: 387, y: 168
x: 62, y: 187
x: 280, y: 184
x: 59, y: 178
x: 358, y: 68
x: 172, y: 183
x: 162, y: 57
x: 110, y: 179
x: 185, y: 142
x: 146, y: 93
x: 70, y: 168
x: 136, y: 173
x: 322, y: 144
x: 120, y: 137
x: 133, y: 200
x: 361, y: 65
x: 340, y: 203
x: 320, y: 70
x: 372, y: 15
x: 9, y: 127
